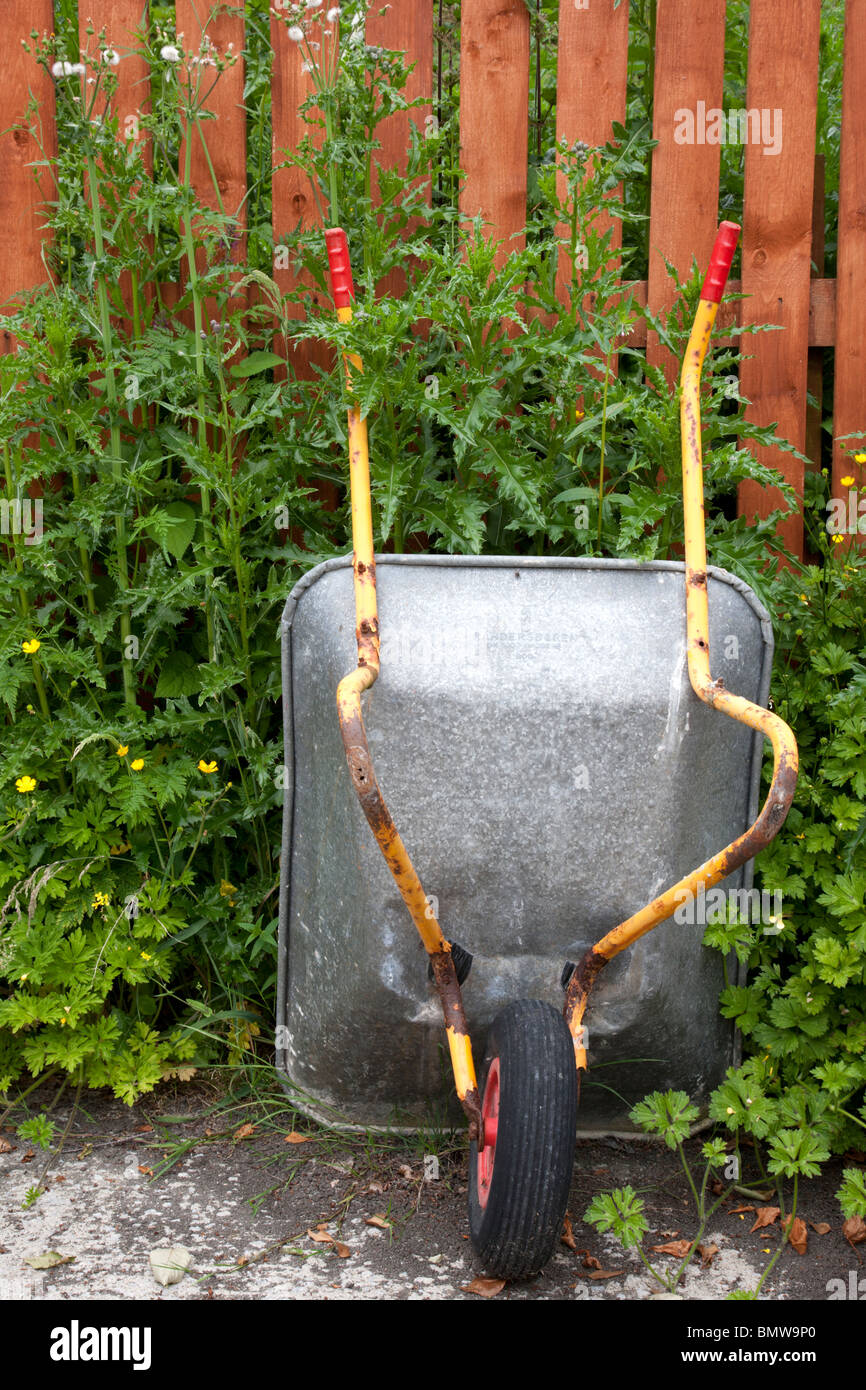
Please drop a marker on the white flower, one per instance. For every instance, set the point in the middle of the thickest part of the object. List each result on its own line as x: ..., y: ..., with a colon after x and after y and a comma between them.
x: 313, y: 4
x: 169, y: 53
x: 65, y: 69
x: 296, y: 33
x: 333, y: 14
x: 110, y: 56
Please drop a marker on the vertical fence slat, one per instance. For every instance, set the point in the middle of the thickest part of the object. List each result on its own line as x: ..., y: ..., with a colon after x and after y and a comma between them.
x: 23, y: 190
x: 849, y: 406
x: 494, y: 116
x: 777, y: 237
x: 120, y: 21
x: 293, y: 199
x: 684, y: 198
x: 815, y: 373
x: 408, y: 29
x: 591, y: 78
x: 225, y: 143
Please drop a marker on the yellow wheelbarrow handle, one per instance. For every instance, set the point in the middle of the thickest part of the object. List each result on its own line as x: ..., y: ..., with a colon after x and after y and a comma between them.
x: 349, y: 693
x: 712, y: 692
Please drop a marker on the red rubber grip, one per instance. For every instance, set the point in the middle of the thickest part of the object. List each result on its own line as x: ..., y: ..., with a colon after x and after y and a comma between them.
x: 720, y: 262
x: 342, y: 288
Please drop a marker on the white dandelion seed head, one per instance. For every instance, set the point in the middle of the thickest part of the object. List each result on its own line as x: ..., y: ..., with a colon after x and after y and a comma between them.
x: 296, y: 33
x: 169, y: 53
x: 313, y: 4
x: 333, y: 14
x: 110, y: 56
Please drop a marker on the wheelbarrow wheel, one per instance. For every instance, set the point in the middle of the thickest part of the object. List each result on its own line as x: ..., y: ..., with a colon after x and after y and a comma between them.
x: 520, y: 1177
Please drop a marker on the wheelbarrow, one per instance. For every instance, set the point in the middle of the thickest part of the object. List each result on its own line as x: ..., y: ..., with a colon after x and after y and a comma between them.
x: 549, y: 736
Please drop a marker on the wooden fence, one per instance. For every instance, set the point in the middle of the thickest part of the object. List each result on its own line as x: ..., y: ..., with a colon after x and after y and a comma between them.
x: 781, y: 235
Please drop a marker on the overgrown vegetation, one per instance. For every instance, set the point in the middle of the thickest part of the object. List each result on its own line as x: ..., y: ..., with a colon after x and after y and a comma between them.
x: 180, y: 473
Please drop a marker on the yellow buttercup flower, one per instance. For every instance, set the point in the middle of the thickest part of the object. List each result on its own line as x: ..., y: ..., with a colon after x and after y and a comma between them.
x: 837, y: 540
x: 32, y: 646
x: 860, y: 458
x: 122, y: 750
x: 144, y: 955
x: 137, y: 765
x: 206, y: 767
x: 847, y: 482
x: 25, y: 784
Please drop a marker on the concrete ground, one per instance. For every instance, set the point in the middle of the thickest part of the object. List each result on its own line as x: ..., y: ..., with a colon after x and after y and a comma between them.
x: 324, y: 1216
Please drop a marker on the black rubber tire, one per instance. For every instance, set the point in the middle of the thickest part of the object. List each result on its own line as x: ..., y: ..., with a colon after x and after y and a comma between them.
x: 515, y: 1234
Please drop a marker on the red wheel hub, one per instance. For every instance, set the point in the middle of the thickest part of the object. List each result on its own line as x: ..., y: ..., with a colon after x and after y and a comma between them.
x: 490, y: 1121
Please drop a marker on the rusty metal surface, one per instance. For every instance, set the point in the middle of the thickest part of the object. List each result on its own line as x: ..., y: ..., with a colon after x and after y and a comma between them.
x: 550, y: 770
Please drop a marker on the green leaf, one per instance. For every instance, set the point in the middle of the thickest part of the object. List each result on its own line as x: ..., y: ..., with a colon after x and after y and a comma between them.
x: 173, y: 526
x: 852, y: 1194
x: 621, y: 1212
x: 255, y: 363
x: 179, y: 675
x: 669, y: 1113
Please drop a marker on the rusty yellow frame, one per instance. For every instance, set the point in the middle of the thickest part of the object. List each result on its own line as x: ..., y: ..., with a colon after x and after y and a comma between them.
x: 349, y: 693
x: 712, y: 692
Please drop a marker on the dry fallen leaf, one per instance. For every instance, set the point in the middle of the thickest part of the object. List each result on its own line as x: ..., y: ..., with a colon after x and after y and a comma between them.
x: 143, y: 1129
x: 668, y: 1235
x: 5, y: 1146
x: 321, y: 1237
x: 674, y: 1247
x: 798, y: 1236
x: 296, y: 1138
x: 707, y: 1254
x: 406, y: 1171
x: 567, y: 1236
x: 380, y: 1221
x: 375, y: 1187
x: 342, y: 1250
x: 243, y: 1260
x: 28, y: 1157
x: 485, y: 1288
x: 716, y: 1187
x: 734, y: 1211
x: 821, y: 1228
x: 764, y: 1216
x: 50, y: 1260
x: 854, y: 1230
x: 590, y: 1262
x: 245, y: 1132
x: 604, y: 1274
x: 143, y: 1168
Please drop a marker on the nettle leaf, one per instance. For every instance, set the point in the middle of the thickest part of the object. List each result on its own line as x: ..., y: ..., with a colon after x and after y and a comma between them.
x: 179, y: 675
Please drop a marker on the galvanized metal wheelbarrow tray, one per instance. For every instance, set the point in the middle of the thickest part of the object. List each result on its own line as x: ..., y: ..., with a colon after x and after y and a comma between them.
x: 549, y: 736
